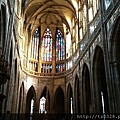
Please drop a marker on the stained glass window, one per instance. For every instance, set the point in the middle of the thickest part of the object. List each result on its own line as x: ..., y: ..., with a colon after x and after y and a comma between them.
x: 47, y: 46
x: 35, y: 44
x: 60, y: 46
x: 46, y: 68
x: 34, y: 50
x: 47, y: 42
x: 60, y: 67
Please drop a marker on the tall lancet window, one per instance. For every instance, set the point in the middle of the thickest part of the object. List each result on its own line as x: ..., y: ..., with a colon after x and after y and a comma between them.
x: 60, y: 46
x: 47, y: 41
x: 35, y: 44
x: 60, y: 52
x: 34, y: 50
x: 47, y: 46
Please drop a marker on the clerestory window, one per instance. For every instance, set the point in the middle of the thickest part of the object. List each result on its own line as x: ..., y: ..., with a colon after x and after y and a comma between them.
x: 41, y: 51
x: 60, y: 46
x: 47, y: 46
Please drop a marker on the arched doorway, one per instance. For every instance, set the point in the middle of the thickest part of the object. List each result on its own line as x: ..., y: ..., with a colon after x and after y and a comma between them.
x: 59, y: 101
x: 77, y: 95
x: 69, y: 101
x: 30, y: 103
x: 86, y: 92
x: 44, y: 107
x: 115, y: 63
x: 100, y: 84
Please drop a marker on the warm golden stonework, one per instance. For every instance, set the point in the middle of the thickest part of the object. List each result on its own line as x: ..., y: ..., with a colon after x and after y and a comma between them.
x: 59, y: 59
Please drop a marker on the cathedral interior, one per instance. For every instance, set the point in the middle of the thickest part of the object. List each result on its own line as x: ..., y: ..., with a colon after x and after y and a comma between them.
x: 59, y: 59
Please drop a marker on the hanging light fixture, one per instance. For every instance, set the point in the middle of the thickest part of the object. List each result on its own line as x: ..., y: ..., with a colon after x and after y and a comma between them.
x: 4, y: 70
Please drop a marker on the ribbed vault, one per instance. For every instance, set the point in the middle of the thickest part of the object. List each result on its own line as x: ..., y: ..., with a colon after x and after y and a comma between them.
x: 53, y: 13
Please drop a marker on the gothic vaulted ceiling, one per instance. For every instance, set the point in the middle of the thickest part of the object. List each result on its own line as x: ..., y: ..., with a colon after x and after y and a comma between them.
x: 53, y: 13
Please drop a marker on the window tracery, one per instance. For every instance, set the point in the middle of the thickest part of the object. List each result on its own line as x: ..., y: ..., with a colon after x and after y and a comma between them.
x: 47, y: 46
x: 60, y: 46
x: 34, y: 51
x: 35, y: 44
x: 60, y: 51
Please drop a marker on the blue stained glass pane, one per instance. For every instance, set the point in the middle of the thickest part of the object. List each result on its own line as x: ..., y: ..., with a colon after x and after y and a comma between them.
x: 60, y: 46
x: 60, y: 51
x: 56, y: 66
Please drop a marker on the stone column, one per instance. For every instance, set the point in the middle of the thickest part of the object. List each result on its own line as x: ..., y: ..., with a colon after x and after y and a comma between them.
x: 40, y: 56
x: 51, y: 93
x: 54, y: 56
x: 36, y: 106
x: 47, y: 102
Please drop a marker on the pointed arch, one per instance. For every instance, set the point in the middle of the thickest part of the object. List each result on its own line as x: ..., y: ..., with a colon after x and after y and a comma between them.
x: 31, y: 97
x: 77, y: 95
x: 31, y: 92
x: 69, y: 99
x: 100, y: 83
x: 86, y: 92
x: 59, y: 101
x: 44, y: 101
x: 43, y: 94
